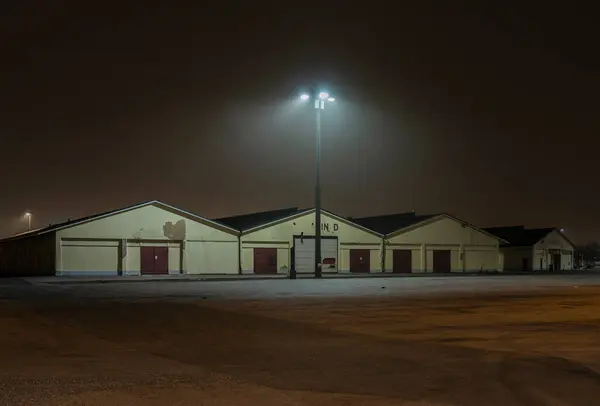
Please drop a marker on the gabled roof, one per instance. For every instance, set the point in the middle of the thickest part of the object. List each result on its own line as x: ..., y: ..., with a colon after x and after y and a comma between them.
x: 393, y: 223
x: 388, y: 223
x: 82, y: 220
x: 519, y: 236
x: 247, y: 223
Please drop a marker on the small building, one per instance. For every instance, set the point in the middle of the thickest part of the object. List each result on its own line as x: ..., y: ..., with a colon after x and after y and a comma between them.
x: 434, y: 243
x: 537, y: 249
x: 150, y: 238
x: 273, y: 242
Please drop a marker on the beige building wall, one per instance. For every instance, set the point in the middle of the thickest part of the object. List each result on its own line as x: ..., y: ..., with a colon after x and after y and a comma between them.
x: 543, y: 252
x: 469, y: 247
x: 111, y: 245
x: 514, y: 256
x: 281, y: 236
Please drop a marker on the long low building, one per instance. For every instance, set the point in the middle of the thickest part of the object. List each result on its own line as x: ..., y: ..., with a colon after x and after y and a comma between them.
x: 438, y: 243
x: 151, y: 238
x: 535, y: 249
x: 154, y: 238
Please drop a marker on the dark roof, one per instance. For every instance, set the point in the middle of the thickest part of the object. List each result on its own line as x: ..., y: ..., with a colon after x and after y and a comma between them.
x: 65, y: 224
x: 388, y: 223
x: 519, y: 236
x: 251, y: 220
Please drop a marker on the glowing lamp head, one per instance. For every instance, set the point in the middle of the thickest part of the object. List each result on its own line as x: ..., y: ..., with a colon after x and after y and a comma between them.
x: 304, y: 97
x: 323, y: 95
x: 27, y: 214
x: 331, y: 99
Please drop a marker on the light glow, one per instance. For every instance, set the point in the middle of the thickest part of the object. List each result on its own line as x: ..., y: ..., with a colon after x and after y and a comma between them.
x: 304, y: 97
x: 323, y: 95
x: 331, y: 99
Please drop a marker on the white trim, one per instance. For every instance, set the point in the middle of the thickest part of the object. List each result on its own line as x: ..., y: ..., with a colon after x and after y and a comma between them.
x: 437, y: 217
x: 91, y: 218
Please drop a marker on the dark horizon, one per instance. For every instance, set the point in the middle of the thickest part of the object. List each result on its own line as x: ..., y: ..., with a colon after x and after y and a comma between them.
x: 486, y: 113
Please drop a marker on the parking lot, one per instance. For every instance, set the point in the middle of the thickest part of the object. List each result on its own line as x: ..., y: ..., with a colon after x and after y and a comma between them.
x: 509, y: 340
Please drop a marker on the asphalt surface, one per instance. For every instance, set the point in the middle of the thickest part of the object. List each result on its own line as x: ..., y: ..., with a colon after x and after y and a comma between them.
x: 508, y: 340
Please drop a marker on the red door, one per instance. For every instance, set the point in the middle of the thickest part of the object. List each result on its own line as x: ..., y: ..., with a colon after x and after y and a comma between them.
x: 147, y: 260
x: 402, y: 261
x: 442, y: 261
x: 360, y: 261
x: 265, y: 260
x: 154, y: 260
x: 161, y: 260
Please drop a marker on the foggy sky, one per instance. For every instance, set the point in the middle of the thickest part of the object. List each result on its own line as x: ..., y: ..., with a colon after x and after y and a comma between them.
x: 490, y: 114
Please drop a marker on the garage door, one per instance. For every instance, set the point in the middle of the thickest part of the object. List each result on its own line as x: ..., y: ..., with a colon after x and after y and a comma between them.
x: 442, y: 261
x: 212, y: 257
x: 402, y: 261
x: 481, y: 260
x: 93, y: 258
x: 304, y: 254
x: 360, y: 261
x: 265, y: 260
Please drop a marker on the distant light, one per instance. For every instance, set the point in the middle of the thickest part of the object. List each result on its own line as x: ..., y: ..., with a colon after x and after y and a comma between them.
x: 331, y: 99
x: 323, y: 95
x: 27, y: 214
x: 304, y: 97
x: 562, y: 230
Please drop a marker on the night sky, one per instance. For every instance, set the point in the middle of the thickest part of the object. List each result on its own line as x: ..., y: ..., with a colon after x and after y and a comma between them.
x: 490, y: 114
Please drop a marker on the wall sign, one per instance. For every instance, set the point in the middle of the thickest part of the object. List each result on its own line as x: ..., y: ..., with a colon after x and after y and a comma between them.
x: 328, y: 227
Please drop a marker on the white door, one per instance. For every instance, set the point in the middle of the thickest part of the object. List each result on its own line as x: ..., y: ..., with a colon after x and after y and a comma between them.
x: 304, y: 252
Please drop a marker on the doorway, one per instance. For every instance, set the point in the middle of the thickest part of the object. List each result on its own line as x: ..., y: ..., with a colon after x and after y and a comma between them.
x: 360, y: 261
x: 442, y: 261
x: 265, y: 261
x: 402, y: 261
x: 154, y: 260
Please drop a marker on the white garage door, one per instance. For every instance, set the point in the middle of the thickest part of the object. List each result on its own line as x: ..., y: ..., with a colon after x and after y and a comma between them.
x: 304, y: 254
x: 481, y: 260
x: 211, y: 257
x: 90, y: 258
x: 566, y: 260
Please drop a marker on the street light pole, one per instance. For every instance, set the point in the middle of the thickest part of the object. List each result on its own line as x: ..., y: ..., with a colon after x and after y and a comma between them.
x: 28, y: 214
x: 318, y: 104
x: 319, y: 99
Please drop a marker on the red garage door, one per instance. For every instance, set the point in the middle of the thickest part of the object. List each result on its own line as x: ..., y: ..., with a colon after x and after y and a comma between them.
x: 265, y: 260
x: 442, y: 261
x: 402, y: 261
x: 360, y: 261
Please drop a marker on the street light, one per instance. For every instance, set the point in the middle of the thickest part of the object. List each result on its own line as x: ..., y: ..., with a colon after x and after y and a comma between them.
x: 320, y: 100
x: 28, y: 215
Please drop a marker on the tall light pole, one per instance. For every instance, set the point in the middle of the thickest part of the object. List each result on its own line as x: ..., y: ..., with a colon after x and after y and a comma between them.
x: 320, y: 100
x: 28, y: 215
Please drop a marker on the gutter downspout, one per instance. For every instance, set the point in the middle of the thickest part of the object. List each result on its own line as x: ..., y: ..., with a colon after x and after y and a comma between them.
x: 383, y: 253
x: 240, y: 253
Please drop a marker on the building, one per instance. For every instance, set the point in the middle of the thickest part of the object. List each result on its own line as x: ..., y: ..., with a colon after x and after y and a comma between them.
x: 274, y: 242
x: 539, y: 249
x: 148, y: 238
x: 434, y: 243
